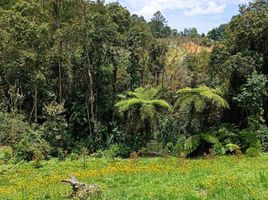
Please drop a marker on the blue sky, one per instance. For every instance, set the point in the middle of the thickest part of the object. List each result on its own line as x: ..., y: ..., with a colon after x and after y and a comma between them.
x: 180, y: 14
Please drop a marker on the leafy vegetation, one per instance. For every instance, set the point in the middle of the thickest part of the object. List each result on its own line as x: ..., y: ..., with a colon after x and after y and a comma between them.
x: 84, y: 84
x: 91, y: 78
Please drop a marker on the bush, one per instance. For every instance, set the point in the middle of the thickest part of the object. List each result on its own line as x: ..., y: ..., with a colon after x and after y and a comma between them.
x: 178, y: 148
x: 5, y: 154
x: 253, y: 152
x: 29, y: 142
x: 219, y: 149
x: 232, y: 148
x: 61, y: 154
x: 264, y: 137
x: 12, y: 127
x: 55, y: 129
x: 74, y: 156
x: 114, y: 151
x: 37, y: 158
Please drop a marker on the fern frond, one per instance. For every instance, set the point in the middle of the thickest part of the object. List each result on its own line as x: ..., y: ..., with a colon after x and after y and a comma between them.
x: 147, y: 111
x: 127, y: 104
x: 162, y: 104
x: 192, y: 143
x: 121, y: 96
x: 151, y: 93
x: 199, y: 104
x: 210, y: 138
x: 199, y: 98
x: 232, y: 147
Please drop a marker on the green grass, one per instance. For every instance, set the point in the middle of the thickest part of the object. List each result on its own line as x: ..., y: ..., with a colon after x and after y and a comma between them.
x: 161, y: 178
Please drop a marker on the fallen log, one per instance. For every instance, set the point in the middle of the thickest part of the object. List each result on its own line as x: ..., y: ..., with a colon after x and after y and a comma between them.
x: 82, y: 191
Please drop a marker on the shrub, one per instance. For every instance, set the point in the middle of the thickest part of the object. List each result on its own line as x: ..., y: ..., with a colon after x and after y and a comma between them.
x: 219, y: 149
x: 37, y: 158
x: 263, y: 131
x: 29, y: 142
x: 61, y: 154
x: 5, y: 154
x: 55, y: 128
x: 114, y: 151
x: 12, y: 127
x: 84, y: 153
x: 253, y: 152
x: 178, y: 148
x: 232, y: 148
x: 98, y: 154
x: 74, y: 156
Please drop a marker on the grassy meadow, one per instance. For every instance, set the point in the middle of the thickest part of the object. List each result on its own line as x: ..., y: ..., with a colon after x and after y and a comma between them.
x: 142, y: 178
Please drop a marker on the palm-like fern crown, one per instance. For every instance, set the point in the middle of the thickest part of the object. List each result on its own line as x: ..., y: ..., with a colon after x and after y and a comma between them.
x: 144, y: 100
x: 199, y: 97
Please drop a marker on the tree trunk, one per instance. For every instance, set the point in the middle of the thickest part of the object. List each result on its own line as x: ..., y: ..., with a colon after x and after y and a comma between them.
x: 147, y: 128
x: 91, y: 98
x: 83, y: 190
x: 35, y: 104
x: 115, y: 69
x: 60, y: 68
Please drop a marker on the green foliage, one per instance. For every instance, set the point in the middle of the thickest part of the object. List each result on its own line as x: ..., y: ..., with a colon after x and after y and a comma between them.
x: 12, y: 129
x: 252, y: 93
x: 263, y: 179
x: 158, y: 26
x: 193, y: 142
x: 219, y: 149
x: 84, y: 153
x: 28, y: 143
x: 196, y: 103
x: 74, y: 156
x: 37, y: 158
x: 55, y: 128
x: 5, y: 154
x: 199, y: 98
x: 218, y: 34
x: 63, y: 64
x: 232, y: 147
x: 252, y: 152
x: 192, y: 32
x: 61, y: 154
x: 113, y: 151
x: 143, y: 105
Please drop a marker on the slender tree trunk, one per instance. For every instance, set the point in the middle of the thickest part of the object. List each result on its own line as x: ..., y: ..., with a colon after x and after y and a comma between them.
x: 147, y: 128
x: 60, y: 67
x: 35, y: 104
x: 60, y: 80
x: 91, y: 98
x: 115, y: 69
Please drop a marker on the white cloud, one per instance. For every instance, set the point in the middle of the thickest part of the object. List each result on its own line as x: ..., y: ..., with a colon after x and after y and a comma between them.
x: 211, y: 8
x: 147, y: 8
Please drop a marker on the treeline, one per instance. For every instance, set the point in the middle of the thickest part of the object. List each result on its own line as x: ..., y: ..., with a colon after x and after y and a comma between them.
x: 81, y: 74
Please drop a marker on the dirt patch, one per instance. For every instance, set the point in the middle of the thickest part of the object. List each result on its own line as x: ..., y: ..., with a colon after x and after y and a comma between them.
x: 194, y: 48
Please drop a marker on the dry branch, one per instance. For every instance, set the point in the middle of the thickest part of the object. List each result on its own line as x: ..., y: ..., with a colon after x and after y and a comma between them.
x: 82, y: 190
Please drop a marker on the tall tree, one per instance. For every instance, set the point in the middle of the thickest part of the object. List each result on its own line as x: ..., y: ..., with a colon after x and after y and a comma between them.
x: 158, y: 26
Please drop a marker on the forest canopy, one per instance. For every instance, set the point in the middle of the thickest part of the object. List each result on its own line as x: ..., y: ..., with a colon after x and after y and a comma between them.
x: 86, y: 74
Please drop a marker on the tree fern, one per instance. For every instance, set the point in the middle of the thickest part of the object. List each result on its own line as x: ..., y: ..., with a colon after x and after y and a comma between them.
x: 193, y: 142
x: 199, y: 98
x: 145, y: 103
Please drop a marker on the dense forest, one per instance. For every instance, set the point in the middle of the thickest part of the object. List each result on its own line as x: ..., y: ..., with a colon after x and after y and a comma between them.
x: 82, y: 76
